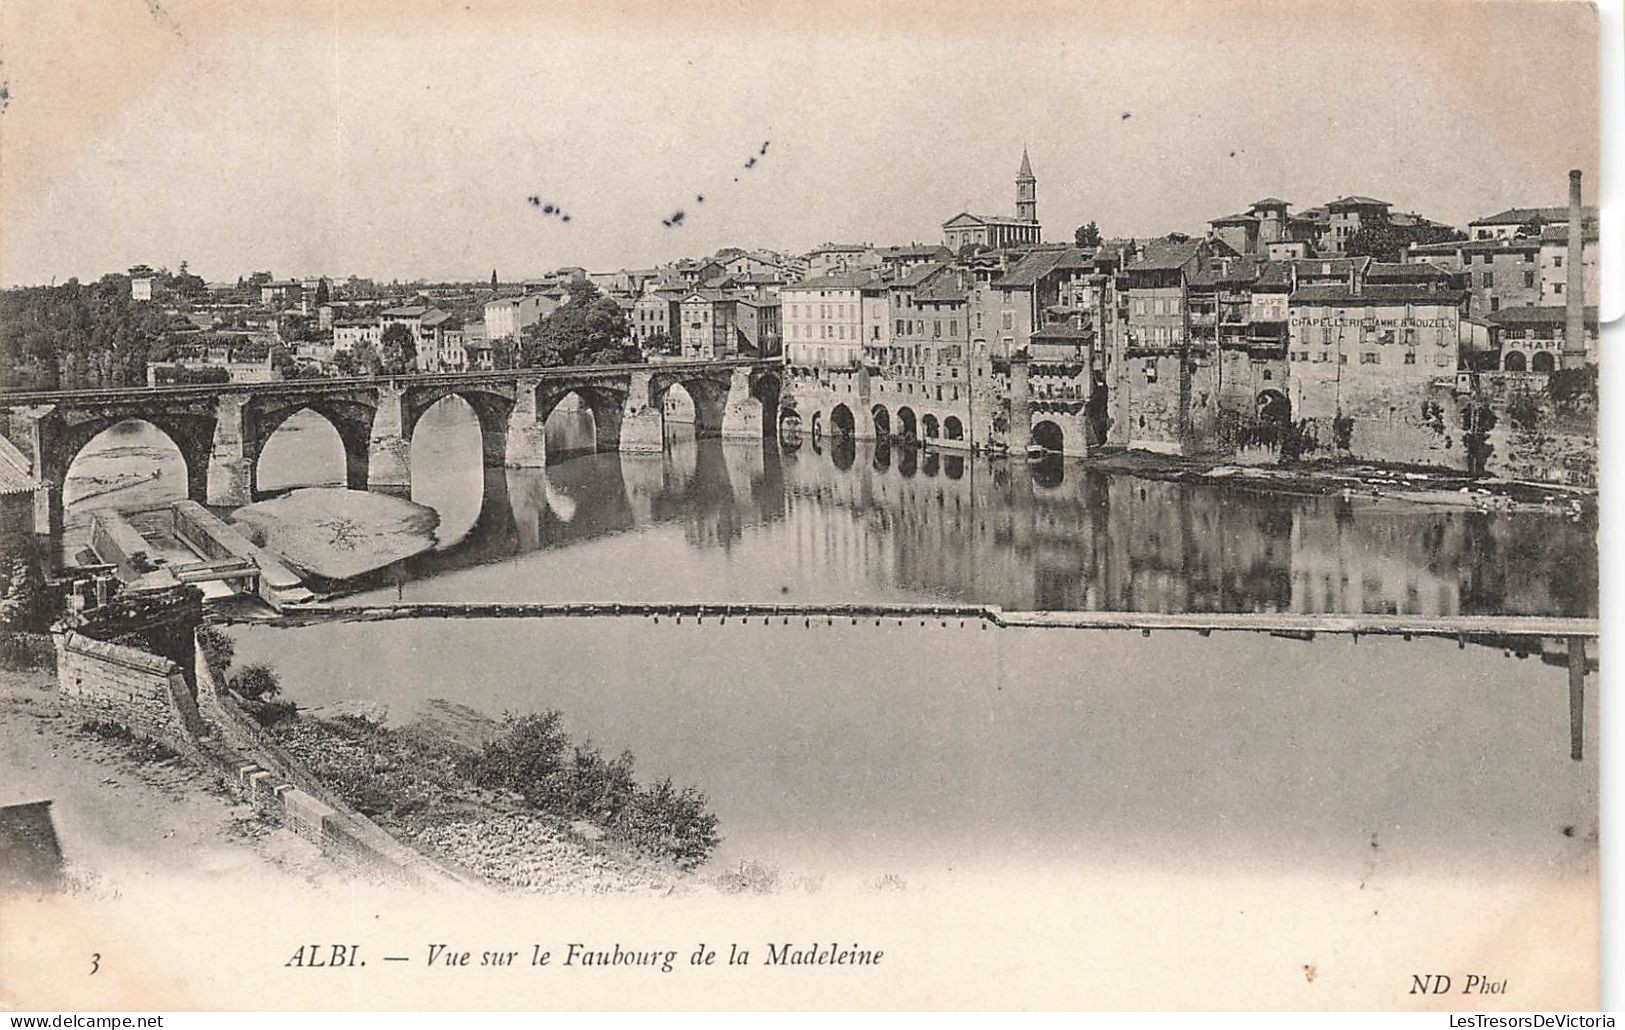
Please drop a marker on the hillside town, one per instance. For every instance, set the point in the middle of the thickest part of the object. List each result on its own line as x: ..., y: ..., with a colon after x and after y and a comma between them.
x: 1347, y: 328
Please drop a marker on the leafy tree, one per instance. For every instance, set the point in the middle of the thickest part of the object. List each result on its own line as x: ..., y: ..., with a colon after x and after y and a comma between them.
x: 504, y: 352
x: 256, y: 682
x: 590, y: 329
x: 1087, y: 235
x: 366, y: 358
x: 660, y: 343
x: 216, y: 646
x: 323, y: 294
x: 1385, y: 241
x: 400, y: 350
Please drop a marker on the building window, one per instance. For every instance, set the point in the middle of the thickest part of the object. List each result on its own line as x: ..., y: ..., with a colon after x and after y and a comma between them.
x: 1529, y: 278
x: 1557, y: 261
x: 1370, y: 358
x: 1342, y: 359
x: 1557, y: 287
x: 1410, y: 357
x: 1151, y: 370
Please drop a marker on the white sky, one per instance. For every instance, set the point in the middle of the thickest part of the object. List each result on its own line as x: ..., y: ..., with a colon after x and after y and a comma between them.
x: 403, y: 143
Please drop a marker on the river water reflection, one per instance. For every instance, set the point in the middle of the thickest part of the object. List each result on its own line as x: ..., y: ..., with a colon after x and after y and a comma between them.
x: 711, y: 520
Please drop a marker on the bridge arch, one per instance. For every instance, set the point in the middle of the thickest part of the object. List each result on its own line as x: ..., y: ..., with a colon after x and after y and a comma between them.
x: 907, y: 426
x: 882, y: 422
x: 492, y: 407
x: 952, y: 428
x: 350, y: 419
x: 605, y: 403
x: 708, y: 397
x: 842, y: 423
x: 928, y: 427
x: 1048, y: 435
x: 106, y: 470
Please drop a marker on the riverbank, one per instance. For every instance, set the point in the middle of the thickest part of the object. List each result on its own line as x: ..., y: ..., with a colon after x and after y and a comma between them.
x: 1419, y: 485
x: 128, y: 814
x: 416, y: 782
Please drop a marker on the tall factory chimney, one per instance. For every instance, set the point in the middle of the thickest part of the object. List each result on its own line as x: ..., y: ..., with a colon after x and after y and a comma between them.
x: 1574, y: 330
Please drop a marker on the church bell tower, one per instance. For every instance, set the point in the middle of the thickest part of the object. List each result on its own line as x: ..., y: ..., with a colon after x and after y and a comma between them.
x: 1026, y: 190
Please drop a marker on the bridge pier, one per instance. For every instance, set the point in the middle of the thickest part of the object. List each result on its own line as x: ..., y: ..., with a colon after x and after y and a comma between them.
x: 643, y: 423
x: 526, y: 444
x: 231, y: 469
x: 389, y: 451
x: 742, y: 411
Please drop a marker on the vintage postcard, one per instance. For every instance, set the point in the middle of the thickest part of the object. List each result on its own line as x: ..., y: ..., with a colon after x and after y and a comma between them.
x: 799, y: 506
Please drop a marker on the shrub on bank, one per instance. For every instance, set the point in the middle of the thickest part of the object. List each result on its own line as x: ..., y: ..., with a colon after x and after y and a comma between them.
x: 21, y: 650
x: 534, y: 758
x: 257, y: 682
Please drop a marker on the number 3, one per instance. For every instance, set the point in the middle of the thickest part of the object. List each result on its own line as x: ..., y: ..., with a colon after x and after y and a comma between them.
x: 95, y: 963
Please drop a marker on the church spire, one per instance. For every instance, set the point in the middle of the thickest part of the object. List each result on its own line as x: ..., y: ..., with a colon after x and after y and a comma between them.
x: 1026, y: 190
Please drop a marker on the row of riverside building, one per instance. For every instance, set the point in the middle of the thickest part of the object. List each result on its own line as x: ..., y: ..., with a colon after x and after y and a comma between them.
x: 1186, y: 346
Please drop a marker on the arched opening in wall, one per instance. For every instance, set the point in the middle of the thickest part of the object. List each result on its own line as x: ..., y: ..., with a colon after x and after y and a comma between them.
x: 907, y: 429
x: 817, y: 426
x: 1515, y: 361
x: 305, y: 450
x: 571, y: 429
x: 952, y: 428
x: 678, y: 428
x: 1048, y: 435
x: 928, y: 426
x: 1274, y: 408
x: 128, y: 464
x: 1543, y: 361
x: 882, y: 422
x: 842, y: 424
x: 448, y: 467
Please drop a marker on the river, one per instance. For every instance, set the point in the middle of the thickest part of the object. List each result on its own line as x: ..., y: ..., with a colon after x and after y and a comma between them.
x: 925, y: 749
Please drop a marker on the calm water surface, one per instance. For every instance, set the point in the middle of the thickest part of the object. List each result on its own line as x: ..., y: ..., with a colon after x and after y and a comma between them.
x: 712, y: 521
x: 920, y: 749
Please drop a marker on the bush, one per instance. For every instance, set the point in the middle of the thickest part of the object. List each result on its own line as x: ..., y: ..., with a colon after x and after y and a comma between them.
x: 536, y: 759
x: 20, y: 650
x: 270, y: 713
x: 257, y: 682
x: 217, y: 647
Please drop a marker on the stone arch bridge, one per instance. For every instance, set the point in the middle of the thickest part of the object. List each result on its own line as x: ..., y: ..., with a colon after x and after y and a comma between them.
x: 221, y: 428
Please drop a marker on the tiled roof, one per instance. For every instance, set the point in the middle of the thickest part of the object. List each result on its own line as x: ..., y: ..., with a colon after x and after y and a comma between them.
x: 1373, y: 295
x: 1031, y: 268
x: 837, y: 281
x: 1165, y: 256
x: 1270, y: 202
x: 14, y: 474
x: 1560, y: 233
x: 943, y: 288
x: 919, y: 274
x: 1236, y: 219
x: 1357, y: 201
x: 1397, y: 270
x: 1545, y: 315
x: 1521, y: 215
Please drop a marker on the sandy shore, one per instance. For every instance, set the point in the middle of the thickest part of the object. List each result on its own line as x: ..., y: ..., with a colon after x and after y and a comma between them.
x: 125, y: 823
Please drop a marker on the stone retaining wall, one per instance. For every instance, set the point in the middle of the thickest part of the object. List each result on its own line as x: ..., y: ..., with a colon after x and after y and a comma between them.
x: 142, y: 691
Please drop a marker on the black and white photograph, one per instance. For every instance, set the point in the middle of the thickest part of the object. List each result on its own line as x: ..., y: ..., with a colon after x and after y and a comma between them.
x: 790, y: 506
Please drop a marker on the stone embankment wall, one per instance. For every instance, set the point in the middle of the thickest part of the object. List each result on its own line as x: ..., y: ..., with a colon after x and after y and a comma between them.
x: 270, y: 777
x: 145, y: 692
x: 150, y: 695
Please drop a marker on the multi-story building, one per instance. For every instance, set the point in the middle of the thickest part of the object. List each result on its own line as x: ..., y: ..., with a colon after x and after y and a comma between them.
x: 823, y: 319
x: 1153, y: 385
x: 282, y: 293
x: 834, y: 258
x: 706, y: 324
x: 1531, y: 339
x: 507, y: 317
x: 1554, y: 256
x: 436, y: 334
x: 652, y: 315
x: 1375, y: 368
x: 1523, y: 221
x: 757, y: 326
x: 350, y: 333
x: 896, y: 262
x: 1346, y: 215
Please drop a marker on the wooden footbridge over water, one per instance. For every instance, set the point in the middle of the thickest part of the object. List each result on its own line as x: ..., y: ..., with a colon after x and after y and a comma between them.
x: 1568, y: 641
